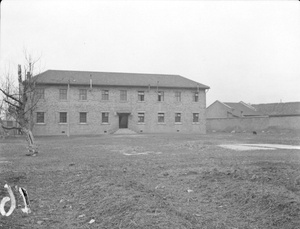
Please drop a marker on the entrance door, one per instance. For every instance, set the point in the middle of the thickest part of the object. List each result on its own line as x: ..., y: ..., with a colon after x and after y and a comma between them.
x: 123, y: 121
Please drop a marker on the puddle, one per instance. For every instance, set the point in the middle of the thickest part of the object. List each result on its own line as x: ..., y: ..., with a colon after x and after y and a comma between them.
x: 141, y: 153
x: 277, y: 146
x: 244, y: 147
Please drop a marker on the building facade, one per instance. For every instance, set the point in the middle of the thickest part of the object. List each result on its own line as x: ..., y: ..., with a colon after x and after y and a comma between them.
x: 82, y: 103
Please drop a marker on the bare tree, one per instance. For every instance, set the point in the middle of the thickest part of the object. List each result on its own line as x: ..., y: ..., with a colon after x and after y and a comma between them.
x: 19, y: 102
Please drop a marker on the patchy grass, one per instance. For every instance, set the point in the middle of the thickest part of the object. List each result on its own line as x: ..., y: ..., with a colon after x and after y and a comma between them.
x: 154, y: 181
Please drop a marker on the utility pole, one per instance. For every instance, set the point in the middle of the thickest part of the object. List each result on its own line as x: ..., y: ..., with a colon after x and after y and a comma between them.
x: 68, y: 113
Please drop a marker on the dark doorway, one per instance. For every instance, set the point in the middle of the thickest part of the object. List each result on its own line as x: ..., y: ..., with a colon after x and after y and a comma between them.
x: 123, y: 120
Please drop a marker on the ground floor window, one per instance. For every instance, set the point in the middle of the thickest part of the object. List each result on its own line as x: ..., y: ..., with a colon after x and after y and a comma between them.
x: 141, y: 117
x: 40, y: 117
x: 82, y: 117
x: 105, y: 116
x: 161, y: 117
x: 177, y: 117
x: 62, y: 117
x: 195, y: 117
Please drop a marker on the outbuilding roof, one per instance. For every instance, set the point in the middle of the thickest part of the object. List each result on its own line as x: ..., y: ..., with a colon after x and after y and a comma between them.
x: 116, y: 79
x: 247, y: 109
x: 279, y: 109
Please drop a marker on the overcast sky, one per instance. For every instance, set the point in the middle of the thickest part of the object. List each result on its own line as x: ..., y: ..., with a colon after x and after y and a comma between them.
x: 245, y: 51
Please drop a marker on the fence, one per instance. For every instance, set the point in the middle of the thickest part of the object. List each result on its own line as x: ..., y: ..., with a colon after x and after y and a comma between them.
x: 12, y: 132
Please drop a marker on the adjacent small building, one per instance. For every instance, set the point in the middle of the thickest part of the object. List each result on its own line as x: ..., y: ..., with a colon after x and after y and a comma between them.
x: 231, y: 110
x: 80, y: 102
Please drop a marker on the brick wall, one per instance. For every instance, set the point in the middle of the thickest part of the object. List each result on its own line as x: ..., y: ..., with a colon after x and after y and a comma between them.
x: 51, y: 105
x: 253, y: 124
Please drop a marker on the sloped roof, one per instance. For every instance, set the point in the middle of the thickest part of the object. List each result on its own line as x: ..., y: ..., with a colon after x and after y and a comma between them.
x: 116, y: 79
x: 246, y: 109
x: 291, y: 108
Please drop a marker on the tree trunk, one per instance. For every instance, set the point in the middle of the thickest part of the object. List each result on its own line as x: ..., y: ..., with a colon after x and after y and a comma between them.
x: 32, y: 147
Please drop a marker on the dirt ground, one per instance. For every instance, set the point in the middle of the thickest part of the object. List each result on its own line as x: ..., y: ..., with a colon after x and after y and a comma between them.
x: 154, y: 181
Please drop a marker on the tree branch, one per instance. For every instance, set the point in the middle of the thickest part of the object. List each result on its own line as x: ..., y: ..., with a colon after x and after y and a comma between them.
x: 10, y: 96
x: 11, y: 103
x: 11, y: 128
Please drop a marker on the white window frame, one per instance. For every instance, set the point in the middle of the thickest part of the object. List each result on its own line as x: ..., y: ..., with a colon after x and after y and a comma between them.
x: 80, y: 121
x: 160, y: 96
x: 141, y: 96
x: 178, y: 115
x: 105, y: 95
x: 178, y: 96
x: 82, y: 94
x: 37, y: 117
x: 102, y: 113
x: 60, y: 117
x: 141, y: 115
x: 123, y: 95
x: 198, y: 115
x: 161, y: 115
x: 63, y: 96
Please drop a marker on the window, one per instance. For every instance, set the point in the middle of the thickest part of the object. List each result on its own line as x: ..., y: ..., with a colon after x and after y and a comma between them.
x: 160, y: 96
x: 62, y: 117
x: 195, y: 117
x: 105, y: 117
x: 105, y: 95
x: 177, y: 117
x: 82, y: 117
x: 40, y: 117
x: 141, y: 117
x: 141, y: 96
x: 196, y: 96
x: 161, y: 117
x: 123, y: 95
x: 63, y: 94
x: 178, y: 96
x: 40, y: 93
x: 82, y: 94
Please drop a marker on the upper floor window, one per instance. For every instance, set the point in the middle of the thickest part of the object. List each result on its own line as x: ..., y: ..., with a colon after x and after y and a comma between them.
x: 161, y: 117
x: 105, y: 94
x: 40, y: 93
x: 40, y: 117
x: 178, y: 96
x: 123, y: 95
x: 195, y: 117
x: 63, y: 117
x: 82, y: 117
x: 82, y: 94
x: 141, y: 96
x: 196, y: 96
x: 63, y: 94
x: 177, y: 117
x: 141, y: 117
x: 105, y: 116
x: 160, y: 96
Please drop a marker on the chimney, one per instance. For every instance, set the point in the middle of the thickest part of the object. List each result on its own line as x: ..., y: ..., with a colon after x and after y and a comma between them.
x: 91, y: 82
x: 19, y: 73
x: 28, y: 76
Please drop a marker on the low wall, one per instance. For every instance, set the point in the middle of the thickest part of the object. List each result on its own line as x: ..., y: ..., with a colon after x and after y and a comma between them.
x: 252, y: 124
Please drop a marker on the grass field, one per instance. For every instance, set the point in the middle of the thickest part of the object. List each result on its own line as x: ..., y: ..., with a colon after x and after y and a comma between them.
x: 154, y: 181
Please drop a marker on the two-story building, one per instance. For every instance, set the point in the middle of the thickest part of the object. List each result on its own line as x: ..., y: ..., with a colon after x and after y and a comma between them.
x: 79, y: 102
